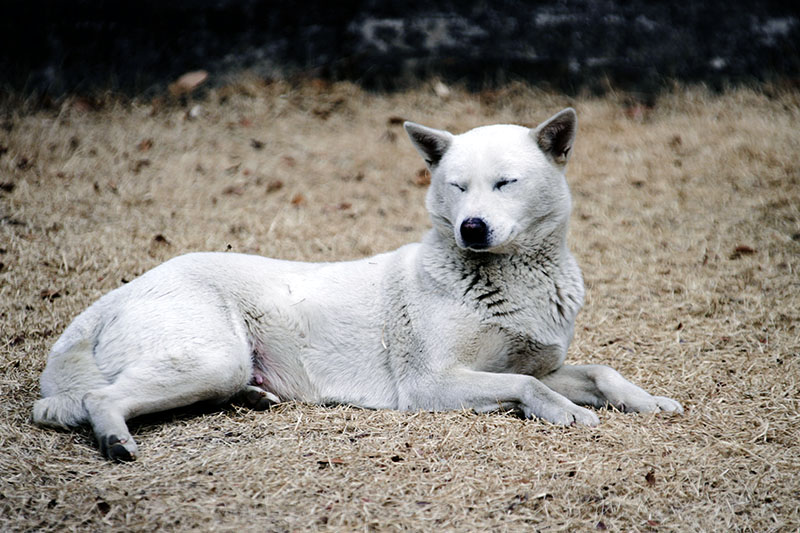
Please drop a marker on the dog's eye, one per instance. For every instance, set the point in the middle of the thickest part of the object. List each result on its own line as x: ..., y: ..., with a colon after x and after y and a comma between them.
x: 502, y: 183
x: 459, y: 187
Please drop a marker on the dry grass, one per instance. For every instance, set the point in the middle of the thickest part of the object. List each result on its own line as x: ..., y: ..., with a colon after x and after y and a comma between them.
x: 686, y: 224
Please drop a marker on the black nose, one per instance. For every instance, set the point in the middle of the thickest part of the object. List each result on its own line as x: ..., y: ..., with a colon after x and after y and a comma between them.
x: 474, y: 233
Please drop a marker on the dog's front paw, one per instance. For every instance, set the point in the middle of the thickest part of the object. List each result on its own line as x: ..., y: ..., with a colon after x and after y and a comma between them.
x: 668, y: 405
x: 650, y: 404
x: 566, y: 415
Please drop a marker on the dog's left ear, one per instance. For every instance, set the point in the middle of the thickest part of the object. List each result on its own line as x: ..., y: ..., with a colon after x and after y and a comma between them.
x: 430, y: 143
x: 556, y: 135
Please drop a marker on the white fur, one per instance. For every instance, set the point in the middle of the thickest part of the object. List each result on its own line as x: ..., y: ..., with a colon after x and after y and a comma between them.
x: 441, y: 324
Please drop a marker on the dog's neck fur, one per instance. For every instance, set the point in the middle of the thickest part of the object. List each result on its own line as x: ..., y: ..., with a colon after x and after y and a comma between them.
x: 498, y: 280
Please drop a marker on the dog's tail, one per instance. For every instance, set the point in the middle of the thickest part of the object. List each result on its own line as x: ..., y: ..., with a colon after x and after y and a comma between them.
x: 70, y: 373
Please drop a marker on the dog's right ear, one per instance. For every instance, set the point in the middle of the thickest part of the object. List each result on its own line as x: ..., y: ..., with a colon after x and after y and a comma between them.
x: 556, y: 135
x: 430, y: 143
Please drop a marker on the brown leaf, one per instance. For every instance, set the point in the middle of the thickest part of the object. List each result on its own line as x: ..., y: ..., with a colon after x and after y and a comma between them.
x: 160, y: 239
x: 237, y: 190
x: 274, y: 185
x: 145, y: 145
x: 49, y: 294
x: 741, y: 250
x: 423, y: 178
x: 188, y: 82
x: 330, y: 462
x: 140, y: 164
x: 82, y: 105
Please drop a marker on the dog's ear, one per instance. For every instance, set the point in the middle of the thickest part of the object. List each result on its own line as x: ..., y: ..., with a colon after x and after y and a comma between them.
x: 556, y: 135
x: 430, y: 143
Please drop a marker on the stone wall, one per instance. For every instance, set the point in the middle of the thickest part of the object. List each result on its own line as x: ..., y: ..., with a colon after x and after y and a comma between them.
x: 56, y: 47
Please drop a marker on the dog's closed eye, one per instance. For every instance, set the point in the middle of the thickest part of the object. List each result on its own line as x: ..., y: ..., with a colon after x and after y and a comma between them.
x: 459, y: 187
x: 502, y: 183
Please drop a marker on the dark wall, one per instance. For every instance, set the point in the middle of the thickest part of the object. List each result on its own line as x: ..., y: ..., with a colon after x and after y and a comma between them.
x: 57, y: 46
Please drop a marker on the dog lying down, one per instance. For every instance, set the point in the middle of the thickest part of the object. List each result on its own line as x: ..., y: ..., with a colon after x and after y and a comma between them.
x: 478, y: 315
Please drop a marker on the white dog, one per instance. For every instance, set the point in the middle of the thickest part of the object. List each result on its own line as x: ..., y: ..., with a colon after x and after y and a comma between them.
x: 478, y: 315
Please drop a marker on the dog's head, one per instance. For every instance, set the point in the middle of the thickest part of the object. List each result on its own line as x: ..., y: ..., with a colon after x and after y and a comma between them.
x: 498, y: 188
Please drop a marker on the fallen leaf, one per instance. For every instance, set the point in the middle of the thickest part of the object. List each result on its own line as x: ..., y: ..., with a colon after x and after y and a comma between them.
x: 330, y: 462
x: 82, y: 105
x: 274, y: 185
x: 145, y: 145
x: 140, y: 164
x: 423, y: 178
x: 49, y: 294
x: 741, y: 250
x: 188, y: 82
x: 160, y: 239
x: 441, y: 90
x: 237, y: 190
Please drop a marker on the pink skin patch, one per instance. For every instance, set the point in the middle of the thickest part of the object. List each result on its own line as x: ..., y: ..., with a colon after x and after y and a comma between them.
x: 259, y: 379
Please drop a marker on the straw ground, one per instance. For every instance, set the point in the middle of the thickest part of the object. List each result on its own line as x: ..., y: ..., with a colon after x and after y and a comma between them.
x: 686, y: 223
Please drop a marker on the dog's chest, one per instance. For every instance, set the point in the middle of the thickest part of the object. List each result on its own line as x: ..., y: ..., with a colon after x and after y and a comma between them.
x: 523, y: 320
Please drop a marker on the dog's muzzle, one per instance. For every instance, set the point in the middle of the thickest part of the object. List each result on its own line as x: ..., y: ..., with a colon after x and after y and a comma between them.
x: 475, y: 233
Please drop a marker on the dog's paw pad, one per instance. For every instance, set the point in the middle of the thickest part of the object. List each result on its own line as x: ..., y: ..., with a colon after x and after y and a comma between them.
x: 118, y: 449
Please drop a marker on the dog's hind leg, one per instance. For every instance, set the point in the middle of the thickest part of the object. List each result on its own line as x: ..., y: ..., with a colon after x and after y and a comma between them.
x: 599, y: 385
x: 138, y: 391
